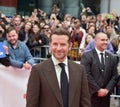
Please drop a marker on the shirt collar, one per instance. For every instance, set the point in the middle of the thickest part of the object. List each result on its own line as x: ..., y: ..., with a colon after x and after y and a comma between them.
x: 98, y: 51
x: 16, y: 46
x: 56, y: 62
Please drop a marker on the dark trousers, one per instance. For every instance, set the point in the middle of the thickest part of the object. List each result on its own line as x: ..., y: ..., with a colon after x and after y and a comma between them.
x: 100, y: 101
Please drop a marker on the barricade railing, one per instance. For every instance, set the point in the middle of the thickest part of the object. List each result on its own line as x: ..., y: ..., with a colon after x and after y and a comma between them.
x: 45, y: 53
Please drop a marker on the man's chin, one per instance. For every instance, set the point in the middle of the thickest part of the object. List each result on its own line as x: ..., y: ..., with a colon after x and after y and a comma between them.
x: 12, y: 43
x: 60, y: 57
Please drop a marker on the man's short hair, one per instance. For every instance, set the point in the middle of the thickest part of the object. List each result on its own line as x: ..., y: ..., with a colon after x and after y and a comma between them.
x: 10, y: 29
x: 61, y: 31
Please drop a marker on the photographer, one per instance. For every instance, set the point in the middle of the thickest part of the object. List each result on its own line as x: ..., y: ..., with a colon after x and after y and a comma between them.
x: 56, y: 10
x: 87, y: 11
x: 41, y: 14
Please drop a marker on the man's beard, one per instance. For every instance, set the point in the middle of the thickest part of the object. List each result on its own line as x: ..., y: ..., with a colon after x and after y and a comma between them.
x: 13, y: 44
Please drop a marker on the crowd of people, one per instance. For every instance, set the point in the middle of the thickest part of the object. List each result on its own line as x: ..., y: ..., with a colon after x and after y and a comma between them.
x: 34, y: 30
x: 99, y: 33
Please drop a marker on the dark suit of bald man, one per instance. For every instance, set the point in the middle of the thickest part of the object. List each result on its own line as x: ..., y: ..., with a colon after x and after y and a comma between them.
x: 97, y: 78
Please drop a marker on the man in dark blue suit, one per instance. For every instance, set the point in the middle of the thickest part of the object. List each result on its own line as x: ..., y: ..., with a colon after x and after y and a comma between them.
x: 102, y: 73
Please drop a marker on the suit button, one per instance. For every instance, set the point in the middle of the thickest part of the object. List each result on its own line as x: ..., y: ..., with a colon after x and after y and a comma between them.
x: 102, y: 70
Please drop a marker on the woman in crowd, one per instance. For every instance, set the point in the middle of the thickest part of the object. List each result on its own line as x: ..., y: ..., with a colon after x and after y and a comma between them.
x: 24, y: 33
x: 36, y: 39
x: 2, y: 33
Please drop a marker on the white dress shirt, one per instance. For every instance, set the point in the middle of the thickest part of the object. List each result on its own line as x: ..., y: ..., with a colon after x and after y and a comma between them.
x: 99, y: 55
x: 58, y: 68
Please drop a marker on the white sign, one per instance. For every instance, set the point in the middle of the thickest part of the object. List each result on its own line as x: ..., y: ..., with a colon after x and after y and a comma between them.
x: 13, y: 86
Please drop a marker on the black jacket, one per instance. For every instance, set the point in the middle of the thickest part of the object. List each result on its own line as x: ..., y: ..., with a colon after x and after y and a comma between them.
x: 5, y: 61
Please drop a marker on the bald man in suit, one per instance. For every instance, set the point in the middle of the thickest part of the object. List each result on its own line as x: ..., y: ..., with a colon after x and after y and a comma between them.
x: 101, y: 78
x: 44, y: 85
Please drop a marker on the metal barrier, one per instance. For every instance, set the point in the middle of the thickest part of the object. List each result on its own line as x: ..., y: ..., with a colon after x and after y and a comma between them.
x: 114, y: 100
x: 45, y: 53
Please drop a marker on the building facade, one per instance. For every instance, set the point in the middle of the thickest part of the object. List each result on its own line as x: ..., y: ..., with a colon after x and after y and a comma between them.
x: 73, y: 7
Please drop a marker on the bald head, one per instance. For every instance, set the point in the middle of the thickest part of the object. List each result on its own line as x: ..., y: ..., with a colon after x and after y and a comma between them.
x: 100, y: 34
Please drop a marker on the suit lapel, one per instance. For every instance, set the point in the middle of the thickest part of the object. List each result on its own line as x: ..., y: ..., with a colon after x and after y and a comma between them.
x: 95, y: 55
x: 106, y: 62
x: 52, y: 80
x: 72, y: 83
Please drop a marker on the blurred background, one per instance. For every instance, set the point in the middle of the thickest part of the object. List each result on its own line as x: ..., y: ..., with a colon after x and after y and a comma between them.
x: 73, y: 7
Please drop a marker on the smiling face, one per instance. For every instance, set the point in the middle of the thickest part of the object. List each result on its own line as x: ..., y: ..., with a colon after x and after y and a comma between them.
x: 36, y: 28
x: 60, y: 46
x: 77, y: 23
x: 101, y: 41
x: 12, y: 37
x: 28, y: 26
x: 89, y: 38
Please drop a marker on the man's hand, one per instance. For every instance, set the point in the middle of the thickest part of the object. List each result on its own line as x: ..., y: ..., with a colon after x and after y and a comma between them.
x: 26, y: 66
x: 102, y: 92
x: 6, y: 49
